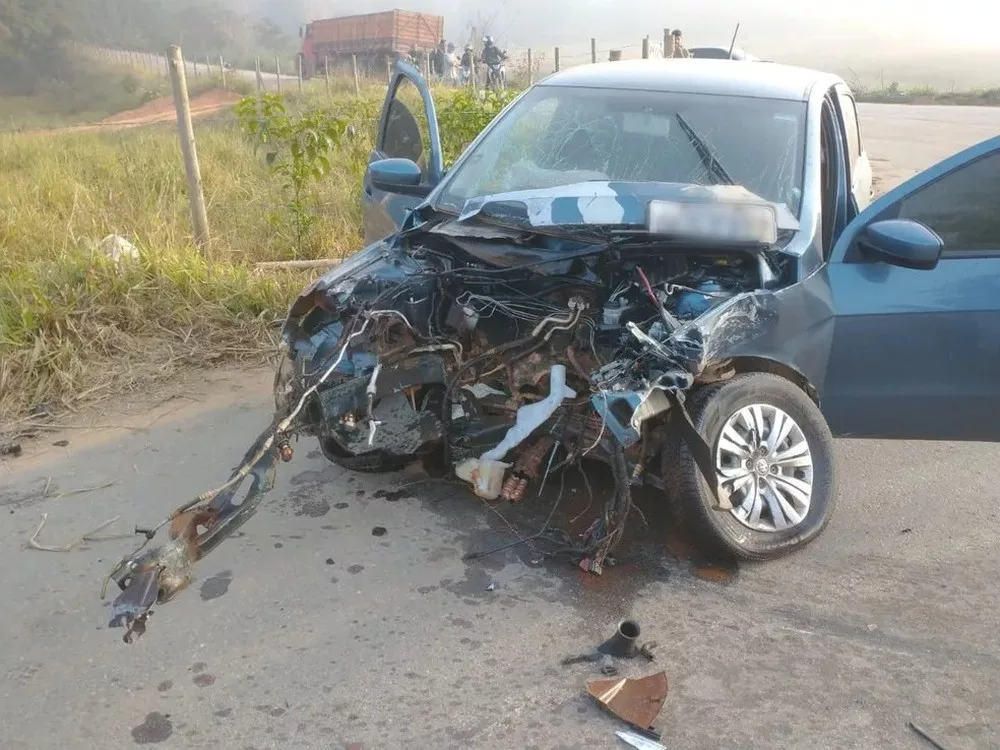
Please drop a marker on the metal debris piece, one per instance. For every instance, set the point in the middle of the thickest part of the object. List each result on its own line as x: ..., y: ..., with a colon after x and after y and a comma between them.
x: 623, y: 643
x: 923, y: 733
x: 90, y: 536
x: 637, y: 702
x: 638, y: 741
x: 492, y: 586
x: 526, y: 469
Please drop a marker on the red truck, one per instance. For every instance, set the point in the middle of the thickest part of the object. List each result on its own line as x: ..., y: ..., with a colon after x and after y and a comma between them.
x: 371, y: 37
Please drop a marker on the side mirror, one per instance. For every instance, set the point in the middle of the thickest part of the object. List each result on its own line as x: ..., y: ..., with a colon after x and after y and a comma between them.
x: 400, y: 176
x: 902, y: 242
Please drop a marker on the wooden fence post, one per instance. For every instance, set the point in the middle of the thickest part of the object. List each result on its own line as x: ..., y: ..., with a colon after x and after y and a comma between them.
x: 388, y: 68
x: 666, y: 42
x: 277, y: 67
x: 593, y: 50
x: 645, y: 48
x: 531, y: 68
x: 298, y: 70
x: 557, y: 59
x: 222, y: 70
x: 260, y: 78
x: 199, y: 217
x: 357, y: 79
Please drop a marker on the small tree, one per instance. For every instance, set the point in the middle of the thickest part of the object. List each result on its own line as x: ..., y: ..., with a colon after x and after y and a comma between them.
x: 297, y: 151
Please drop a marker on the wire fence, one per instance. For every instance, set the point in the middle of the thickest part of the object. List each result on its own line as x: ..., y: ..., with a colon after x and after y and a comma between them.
x: 271, y: 73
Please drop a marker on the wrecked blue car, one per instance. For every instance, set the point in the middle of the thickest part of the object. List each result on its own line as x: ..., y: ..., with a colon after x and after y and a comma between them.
x: 674, y: 267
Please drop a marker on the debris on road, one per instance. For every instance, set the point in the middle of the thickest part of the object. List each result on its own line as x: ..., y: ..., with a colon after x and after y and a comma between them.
x: 11, y: 449
x: 379, y: 531
x: 623, y: 643
x: 638, y: 741
x: 636, y: 701
x: 90, y: 536
x: 923, y: 733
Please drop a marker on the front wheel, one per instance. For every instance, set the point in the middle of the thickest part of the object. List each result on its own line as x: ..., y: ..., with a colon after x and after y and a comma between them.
x: 773, y: 452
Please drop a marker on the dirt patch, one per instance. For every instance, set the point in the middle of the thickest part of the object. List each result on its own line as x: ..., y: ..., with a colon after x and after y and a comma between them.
x: 159, y: 111
x: 162, y: 110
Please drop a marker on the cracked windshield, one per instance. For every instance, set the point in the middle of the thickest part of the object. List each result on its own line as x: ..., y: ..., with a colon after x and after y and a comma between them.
x: 557, y: 136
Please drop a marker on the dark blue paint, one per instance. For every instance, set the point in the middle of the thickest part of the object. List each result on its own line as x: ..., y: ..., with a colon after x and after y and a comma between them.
x: 390, y: 174
x: 903, y: 243
x: 916, y: 353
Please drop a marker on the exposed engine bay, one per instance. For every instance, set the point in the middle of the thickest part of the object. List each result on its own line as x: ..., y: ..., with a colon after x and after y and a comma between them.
x: 496, y: 354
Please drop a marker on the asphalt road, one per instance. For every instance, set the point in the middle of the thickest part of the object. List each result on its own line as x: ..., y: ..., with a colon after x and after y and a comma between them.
x: 307, y: 631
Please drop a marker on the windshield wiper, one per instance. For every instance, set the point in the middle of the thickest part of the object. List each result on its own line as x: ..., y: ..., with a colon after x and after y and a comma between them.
x: 713, y: 165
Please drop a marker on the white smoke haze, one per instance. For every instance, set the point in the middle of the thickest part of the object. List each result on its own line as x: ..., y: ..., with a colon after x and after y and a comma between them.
x: 912, y: 41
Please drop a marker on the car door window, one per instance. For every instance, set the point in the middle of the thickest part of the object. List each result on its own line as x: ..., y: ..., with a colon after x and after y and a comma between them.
x: 961, y: 207
x: 407, y: 132
x: 849, y: 112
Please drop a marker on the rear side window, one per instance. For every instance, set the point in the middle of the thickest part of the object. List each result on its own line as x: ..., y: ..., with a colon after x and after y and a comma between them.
x: 849, y: 112
x: 961, y: 206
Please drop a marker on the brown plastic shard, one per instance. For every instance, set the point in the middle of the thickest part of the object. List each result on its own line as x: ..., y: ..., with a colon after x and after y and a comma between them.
x: 637, y: 702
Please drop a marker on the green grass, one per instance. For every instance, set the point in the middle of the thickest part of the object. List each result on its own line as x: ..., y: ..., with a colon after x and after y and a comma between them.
x: 71, y: 322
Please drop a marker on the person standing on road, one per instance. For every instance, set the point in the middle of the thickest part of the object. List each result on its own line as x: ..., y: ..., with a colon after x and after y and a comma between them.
x: 677, y: 49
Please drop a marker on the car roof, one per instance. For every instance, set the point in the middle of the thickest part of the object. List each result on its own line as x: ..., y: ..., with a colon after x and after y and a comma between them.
x: 760, y: 80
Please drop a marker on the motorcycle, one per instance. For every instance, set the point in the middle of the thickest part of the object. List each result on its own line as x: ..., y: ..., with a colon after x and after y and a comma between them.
x: 496, y: 76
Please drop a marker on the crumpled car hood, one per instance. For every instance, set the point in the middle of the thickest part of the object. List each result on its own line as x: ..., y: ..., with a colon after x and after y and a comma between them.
x: 600, y: 203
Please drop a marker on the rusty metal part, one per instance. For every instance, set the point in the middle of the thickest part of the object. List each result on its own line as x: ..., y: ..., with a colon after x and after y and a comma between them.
x: 286, y: 452
x: 637, y: 702
x: 527, y: 468
x: 514, y: 489
x: 157, y: 575
x: 530, y: 462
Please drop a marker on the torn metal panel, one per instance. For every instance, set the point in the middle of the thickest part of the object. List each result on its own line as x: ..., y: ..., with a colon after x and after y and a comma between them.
x: 636, y: 701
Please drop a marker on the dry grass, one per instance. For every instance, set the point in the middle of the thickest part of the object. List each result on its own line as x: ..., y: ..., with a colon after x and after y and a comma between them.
x: 73, y: 324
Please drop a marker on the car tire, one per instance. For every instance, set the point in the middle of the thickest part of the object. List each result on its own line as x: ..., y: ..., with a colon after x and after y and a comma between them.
x: 721, y: 532
x: 376, y: 462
